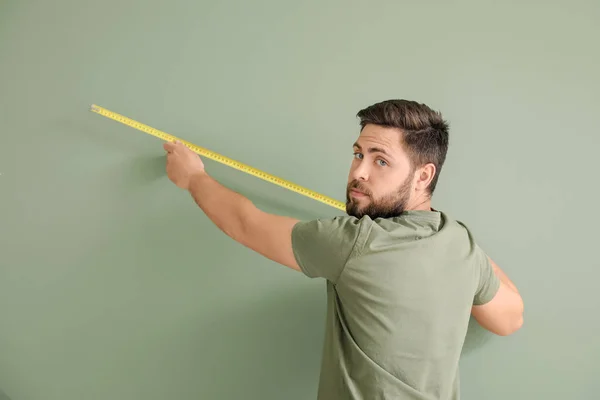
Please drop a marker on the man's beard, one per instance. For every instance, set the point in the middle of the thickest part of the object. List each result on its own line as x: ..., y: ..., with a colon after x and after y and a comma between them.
x: 389, y: 206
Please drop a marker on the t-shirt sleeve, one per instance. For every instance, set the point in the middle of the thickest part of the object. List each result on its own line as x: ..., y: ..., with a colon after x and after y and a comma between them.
x: 322, y: 246
x: 489, y: 283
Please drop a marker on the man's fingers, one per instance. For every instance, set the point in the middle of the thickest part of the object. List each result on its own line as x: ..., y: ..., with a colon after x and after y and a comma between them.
x: 173, y: 146
x: 169, y: 147
x: 176, y: 147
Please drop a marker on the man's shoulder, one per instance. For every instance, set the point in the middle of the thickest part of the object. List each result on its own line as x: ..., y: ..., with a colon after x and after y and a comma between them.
x: 419, y: 223
x: 322, y: 246
x: 343, y: 225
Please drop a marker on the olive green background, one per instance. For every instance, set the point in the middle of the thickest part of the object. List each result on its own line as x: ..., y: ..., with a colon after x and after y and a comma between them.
x: 114, y: 285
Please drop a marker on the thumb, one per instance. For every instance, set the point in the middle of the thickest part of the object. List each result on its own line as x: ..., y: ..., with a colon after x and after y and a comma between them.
x: 179, y: 145
x: 169, y: 147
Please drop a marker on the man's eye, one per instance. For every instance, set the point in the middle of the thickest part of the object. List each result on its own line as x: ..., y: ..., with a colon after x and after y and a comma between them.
x: 382, y: 163
x: 358, y: 155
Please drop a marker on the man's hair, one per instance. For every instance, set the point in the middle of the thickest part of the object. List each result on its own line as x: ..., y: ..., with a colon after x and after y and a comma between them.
x: 424, y: 131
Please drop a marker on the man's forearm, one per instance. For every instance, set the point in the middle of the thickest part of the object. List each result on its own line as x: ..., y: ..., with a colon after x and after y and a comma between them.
x: 225, y: 208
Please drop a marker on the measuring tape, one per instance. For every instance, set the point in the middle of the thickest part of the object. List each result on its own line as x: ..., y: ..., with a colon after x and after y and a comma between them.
x: 220, y: 158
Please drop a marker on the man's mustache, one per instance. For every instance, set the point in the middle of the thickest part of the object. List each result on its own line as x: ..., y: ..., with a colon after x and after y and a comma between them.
x: 357, y: 185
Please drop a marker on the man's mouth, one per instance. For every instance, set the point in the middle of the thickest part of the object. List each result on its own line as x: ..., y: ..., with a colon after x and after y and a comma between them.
x: 357, y: 193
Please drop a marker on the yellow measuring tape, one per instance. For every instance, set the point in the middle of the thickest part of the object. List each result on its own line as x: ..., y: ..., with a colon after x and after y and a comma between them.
x: 220, y: 158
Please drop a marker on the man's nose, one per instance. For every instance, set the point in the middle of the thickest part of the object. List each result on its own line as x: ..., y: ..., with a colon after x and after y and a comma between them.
x: 361, y: 172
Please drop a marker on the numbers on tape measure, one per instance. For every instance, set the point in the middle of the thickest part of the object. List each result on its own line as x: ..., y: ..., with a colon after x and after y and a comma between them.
x: 217, y: 157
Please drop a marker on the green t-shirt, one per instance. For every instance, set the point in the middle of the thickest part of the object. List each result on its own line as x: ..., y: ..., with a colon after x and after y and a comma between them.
x: 399, y: 298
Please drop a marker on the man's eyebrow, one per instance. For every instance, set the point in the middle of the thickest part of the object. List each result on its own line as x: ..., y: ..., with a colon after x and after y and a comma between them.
x: 373, y: 149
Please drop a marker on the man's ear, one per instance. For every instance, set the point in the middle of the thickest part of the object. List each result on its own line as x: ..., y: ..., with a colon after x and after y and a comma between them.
x: 424, y: 176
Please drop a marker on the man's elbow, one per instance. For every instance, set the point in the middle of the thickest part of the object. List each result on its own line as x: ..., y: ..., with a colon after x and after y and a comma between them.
x: 513, y: 320
x: 510, y: 327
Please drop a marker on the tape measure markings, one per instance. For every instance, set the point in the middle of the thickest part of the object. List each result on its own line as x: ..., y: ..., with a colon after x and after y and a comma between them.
x: 219, y: 158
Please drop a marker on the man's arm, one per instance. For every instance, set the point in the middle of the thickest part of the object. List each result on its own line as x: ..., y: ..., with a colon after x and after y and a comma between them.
x: 503, y: 315
x: 317, y: 248
x: 267, y: 234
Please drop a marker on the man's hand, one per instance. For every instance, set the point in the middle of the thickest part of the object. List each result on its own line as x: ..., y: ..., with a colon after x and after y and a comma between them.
x: 182, y: 164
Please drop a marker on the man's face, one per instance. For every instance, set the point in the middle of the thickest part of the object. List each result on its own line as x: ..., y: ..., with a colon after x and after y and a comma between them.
x: 380, y: 178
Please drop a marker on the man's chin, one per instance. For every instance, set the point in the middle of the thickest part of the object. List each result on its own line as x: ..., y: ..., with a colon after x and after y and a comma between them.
x: 356, y: 207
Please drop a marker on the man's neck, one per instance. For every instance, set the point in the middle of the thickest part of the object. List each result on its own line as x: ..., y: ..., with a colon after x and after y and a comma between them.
x: 421, y: 204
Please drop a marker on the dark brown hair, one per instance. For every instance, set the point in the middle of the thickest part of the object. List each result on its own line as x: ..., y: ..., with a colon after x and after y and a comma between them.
x: 424, y: 132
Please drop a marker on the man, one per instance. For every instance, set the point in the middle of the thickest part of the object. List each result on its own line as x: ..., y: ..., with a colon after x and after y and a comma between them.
x: 402, y: 277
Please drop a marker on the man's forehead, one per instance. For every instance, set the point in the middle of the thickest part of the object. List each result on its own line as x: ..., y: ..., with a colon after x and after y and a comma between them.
x: 383, y: 138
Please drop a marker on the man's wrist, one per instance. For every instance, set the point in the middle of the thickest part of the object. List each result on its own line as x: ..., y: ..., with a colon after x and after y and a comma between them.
x: 197, y: 178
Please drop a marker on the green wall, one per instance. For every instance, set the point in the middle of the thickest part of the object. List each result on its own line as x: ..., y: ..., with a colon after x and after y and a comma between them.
x: 113, y: 285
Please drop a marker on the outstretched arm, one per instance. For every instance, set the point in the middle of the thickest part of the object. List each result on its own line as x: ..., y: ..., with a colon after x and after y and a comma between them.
x: 503, y: 315
x: 267, y: 234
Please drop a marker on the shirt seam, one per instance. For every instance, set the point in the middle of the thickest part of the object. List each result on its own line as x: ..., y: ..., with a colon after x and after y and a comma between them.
x: 357, y: 247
